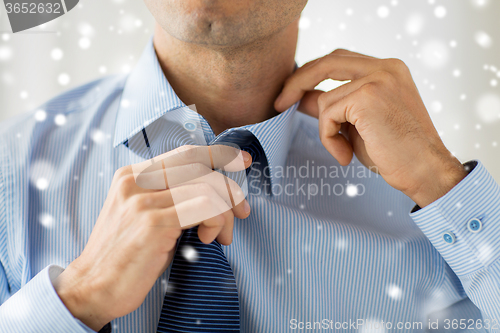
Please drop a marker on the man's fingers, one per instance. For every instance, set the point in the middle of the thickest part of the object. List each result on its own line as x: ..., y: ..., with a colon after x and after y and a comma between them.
x: 209, y: 230
x: 225, y: 237
x: 195, y: 173
x: 218, y: 156
x: 331, y: 97
x: 316, y: 100
x: 351, y: 53
x: 336, y: 143
x: 198, y: 212
x: 193, y: 209
x: 225, y: 187
x: 336, y: 67
x: 165, y: 178
x: 309, y: 103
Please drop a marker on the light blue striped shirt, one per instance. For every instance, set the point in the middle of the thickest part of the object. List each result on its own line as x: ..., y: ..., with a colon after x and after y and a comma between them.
x: 331, y: 248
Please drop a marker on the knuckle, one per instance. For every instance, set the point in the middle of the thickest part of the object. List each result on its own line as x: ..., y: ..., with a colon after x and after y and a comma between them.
x: 139, y: 202
x: 386, y: 77
x: 121, y: 172
x: 323, y: 101
x: 172, y: 233
x: 125, y: 184
x: 383, y: 75
x: 205, y: 202
x: 338, y: 51
x: 397, y: 65
x: 369, y: 89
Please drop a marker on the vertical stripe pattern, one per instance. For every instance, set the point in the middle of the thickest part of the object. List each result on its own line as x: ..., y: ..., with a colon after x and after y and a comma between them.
x: 312, y: 250
x: 201, y: 294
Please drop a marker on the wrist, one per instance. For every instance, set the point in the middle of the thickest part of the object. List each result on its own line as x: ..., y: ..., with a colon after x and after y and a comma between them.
x: 439, y: 176
x: 80, y: 299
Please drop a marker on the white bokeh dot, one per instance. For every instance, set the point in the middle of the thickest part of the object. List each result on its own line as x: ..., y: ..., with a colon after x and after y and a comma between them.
x: 42, y: 184
x: 5, y: 53
x: 40, y: 115
x: 414, y: 24
x: 189, y: 253
x: 46, y: 220
x: 440, y: 11
x: 480, y: 3
x: 483, y: 39
x: 394, y: 292
x: 436, y: 106
x: 97, y: 136
x: 383, y: 11
x: 435, y: 54
x: 304, y: 23
x: 56, y: 54
x: 60, y: 119
x: 85, y: 29
x: 84, y: 43
x: 63, y: 79
x: 351, y: 190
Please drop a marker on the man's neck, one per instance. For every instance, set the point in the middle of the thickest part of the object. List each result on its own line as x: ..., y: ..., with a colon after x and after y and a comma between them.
x: 230, y: 86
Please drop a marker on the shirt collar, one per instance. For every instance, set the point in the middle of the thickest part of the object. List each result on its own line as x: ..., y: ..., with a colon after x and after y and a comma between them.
x: 147, y: 96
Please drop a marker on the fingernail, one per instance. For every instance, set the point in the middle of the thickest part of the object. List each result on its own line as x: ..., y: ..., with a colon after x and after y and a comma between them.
x: 246, y: 156
x: 246, y: 207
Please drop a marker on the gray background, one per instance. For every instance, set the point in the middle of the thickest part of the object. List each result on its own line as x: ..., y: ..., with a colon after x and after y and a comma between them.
x: 451, y: 46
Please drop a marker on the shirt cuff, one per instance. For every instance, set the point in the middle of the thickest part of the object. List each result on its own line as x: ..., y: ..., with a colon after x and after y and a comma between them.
x: 36, y: 307
x: 464, y: 224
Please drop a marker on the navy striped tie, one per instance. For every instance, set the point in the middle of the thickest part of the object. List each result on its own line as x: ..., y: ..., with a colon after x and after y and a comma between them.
x: 202, y: 294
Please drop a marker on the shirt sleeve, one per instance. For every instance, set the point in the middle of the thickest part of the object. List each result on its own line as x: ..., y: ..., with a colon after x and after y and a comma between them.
x: 464, y: 226
x: 36, y: 307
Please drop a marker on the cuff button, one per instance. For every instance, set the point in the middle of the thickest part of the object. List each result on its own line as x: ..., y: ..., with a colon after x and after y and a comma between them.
x: 474, y: 225
x: 449, y: 237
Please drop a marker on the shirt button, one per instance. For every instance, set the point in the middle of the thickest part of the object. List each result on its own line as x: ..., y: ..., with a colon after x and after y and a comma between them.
x: 449, y: 237
x: 474, y: 225
x: 189, y: 126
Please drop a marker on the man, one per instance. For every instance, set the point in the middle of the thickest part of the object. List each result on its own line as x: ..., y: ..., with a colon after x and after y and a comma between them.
x: 317, y: 249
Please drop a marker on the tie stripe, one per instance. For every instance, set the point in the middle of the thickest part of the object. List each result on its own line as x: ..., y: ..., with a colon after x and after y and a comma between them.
x: 201, y: 294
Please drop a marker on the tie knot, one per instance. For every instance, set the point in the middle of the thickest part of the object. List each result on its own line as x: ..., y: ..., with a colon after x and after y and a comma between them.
x: 258, y: 173
x: 244, y: 140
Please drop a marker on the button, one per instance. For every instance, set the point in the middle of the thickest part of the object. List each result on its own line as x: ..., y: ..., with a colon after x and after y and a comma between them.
x: 449, y: 237
x: 189, y: 126
x: 474, y: 225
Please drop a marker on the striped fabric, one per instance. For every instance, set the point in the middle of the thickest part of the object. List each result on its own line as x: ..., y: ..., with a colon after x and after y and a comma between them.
x: 201, y: 294
x: 329, y: 246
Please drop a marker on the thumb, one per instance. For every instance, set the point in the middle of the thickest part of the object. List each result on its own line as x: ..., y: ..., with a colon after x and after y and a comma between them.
x: 309, y: 103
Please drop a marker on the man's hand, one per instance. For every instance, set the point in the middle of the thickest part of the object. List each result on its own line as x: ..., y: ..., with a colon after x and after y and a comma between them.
x: 380, y: 117
x: 135, y: 236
